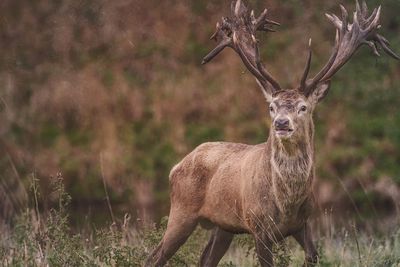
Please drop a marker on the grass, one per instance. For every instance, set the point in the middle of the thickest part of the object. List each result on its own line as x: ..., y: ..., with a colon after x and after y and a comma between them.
x: 37, y: 238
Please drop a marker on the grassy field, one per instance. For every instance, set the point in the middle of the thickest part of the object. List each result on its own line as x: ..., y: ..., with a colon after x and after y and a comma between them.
x: 37, y: 239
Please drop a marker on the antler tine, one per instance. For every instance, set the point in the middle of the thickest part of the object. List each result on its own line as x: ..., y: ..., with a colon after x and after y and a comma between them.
x: 239, y: 9
x: 261, y: 68
x: 221, y: 36
x: 307, y: 68
x: 345, y: 16
x: 385, y: 46
x: 224, y: 43
x: 311, y: 84
x: 349, y: 37
x: 238, y: 32
x: 246, y: 60
x: 262, y: 23
x: 364, y: 9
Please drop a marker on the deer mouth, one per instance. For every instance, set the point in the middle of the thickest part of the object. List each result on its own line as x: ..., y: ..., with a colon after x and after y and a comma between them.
x: 286, y: 132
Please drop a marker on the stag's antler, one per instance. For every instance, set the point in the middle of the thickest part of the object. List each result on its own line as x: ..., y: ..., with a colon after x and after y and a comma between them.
x: 238, y: 32
x: 349, y: 37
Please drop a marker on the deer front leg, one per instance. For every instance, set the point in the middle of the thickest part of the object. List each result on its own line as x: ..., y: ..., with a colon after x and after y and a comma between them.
x: 264, y: 250
x: 216, y: 247
x: 304, y: 238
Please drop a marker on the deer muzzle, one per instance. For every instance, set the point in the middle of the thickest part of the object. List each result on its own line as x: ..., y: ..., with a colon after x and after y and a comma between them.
x: 283, y: 127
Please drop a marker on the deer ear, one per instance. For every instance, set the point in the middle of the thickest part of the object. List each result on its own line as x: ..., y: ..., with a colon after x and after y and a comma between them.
x: 320, y: 92
x: 267, y: 92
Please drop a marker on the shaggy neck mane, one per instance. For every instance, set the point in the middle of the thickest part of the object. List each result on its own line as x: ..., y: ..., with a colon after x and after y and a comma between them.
x: 291, y: 159
x: 291, y: 166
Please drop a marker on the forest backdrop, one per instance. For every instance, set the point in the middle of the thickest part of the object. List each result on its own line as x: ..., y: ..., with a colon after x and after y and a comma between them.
x: 113, y: 91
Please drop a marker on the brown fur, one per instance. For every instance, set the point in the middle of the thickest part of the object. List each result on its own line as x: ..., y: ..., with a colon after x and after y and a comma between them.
x: 264, y: 189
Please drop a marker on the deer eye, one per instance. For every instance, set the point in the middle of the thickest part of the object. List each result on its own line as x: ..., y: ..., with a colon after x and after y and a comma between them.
x: 271, y: 108
x: 303, y: 108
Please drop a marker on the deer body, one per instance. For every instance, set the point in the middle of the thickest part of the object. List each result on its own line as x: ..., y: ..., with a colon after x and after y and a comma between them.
x: 266, y: 189
x: 243, y: 189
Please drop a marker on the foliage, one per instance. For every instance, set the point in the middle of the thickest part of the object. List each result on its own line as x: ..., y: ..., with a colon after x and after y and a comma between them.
x: 48, y: 240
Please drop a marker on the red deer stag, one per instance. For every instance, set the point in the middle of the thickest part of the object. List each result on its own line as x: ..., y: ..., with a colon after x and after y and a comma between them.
x: 265, y: 189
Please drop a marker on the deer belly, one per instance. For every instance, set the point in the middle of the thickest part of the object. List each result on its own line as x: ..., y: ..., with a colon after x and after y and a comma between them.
x: 222, y: 213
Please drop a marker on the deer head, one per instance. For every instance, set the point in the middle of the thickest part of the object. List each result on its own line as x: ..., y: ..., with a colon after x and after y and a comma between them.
x: 291, y: 109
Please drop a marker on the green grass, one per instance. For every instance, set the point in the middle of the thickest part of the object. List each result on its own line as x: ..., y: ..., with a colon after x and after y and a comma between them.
x: 35, y: 238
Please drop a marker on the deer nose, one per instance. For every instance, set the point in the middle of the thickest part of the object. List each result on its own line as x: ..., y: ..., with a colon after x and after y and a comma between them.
x: 282, y: 123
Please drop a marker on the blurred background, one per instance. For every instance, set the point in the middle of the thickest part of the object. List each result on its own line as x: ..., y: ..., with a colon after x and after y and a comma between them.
x: 112, y: 95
